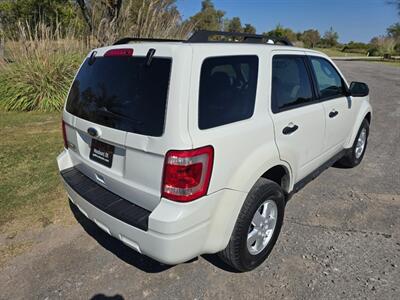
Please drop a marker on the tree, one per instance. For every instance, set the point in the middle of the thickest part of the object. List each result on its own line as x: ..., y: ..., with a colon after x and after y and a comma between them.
x: 331, y: 38
x: 283, y: 32
x: 49, y: 12
x: 234, y: 25
x: 110, y: 11
x: 248, y: 28
x: 86, y: 13
x: 208, y: 18
x: 310, y: 38
x: 394, y: 31
x: 396, y: 3
x: 2, y: 39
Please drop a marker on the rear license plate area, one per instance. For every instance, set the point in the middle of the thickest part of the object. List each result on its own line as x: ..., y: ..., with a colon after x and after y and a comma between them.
x: 102, y: 153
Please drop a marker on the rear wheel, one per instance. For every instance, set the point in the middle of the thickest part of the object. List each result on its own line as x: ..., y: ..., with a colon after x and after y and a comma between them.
x: 257, y: 227
x: 356, y: 153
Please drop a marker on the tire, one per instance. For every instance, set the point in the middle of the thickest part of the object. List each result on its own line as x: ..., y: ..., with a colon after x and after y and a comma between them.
x: 352, y: 158
x: 264, y: 194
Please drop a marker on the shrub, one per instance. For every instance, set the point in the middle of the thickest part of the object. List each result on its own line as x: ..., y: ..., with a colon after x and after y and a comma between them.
x: 37, y: 83
x: 38, y: 70
x: 382, y: 45
x: 375, y: 51
x: 355, y: 47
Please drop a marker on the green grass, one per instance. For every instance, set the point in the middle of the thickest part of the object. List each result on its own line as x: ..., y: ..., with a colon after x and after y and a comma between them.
x: 332, y: 52
x: 30, y: 187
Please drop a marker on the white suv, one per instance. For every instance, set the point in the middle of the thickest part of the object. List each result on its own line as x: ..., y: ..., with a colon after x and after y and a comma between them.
x: 180, y: 148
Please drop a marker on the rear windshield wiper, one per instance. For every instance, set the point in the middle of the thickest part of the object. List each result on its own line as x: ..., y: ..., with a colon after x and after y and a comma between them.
x: 105, y: 110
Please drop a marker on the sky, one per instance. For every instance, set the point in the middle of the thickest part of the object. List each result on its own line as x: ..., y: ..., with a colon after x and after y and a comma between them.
x: 357, y: 20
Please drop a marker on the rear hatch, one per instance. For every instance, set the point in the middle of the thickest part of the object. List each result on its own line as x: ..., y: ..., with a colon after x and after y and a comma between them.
x: 115, y: 118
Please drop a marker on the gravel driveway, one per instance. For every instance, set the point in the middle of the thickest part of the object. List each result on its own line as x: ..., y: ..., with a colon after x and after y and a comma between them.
x: 340, y: 239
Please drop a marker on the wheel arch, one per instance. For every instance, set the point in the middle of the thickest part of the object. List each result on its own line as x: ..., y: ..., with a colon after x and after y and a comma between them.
x: 365, y: 113
x: 274, y: 171
x: 368, y: 116
x: 279, y: 174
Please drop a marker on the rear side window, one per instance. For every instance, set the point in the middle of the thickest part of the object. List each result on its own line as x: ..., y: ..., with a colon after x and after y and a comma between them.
x: 330, y: 84
x: 291, y: 85
x: 228, y: 87
x: 122, y: 93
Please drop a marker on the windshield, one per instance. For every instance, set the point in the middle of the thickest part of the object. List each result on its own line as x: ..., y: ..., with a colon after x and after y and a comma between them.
x: 122, y: 93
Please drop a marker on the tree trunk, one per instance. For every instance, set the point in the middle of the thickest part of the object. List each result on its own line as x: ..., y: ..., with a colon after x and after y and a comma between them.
x: 113, y: 9
x: 2, y: 41
x: 86, y: 14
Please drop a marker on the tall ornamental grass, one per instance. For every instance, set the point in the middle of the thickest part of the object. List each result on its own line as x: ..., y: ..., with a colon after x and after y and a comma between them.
x: 38, y: 69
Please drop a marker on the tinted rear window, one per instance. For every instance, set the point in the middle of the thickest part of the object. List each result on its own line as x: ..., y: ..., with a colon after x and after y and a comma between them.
x: 122, y: 93
x: 228, y: 87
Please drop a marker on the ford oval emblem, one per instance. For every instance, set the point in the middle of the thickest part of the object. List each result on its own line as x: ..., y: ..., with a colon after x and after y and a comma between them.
x: 92, y: 131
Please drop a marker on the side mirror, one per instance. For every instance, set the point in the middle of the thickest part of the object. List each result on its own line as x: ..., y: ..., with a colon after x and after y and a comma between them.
x: 359, y: 89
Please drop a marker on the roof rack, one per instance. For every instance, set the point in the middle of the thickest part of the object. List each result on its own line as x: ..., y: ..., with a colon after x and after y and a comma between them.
x: 131, y: 39
x: 203, y: 36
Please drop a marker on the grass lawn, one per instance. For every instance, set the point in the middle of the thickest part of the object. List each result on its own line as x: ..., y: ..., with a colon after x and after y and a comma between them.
x: 31, y: 193
x: 332, y: 52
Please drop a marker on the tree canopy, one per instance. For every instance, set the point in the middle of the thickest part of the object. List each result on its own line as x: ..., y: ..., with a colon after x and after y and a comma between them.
x: 248, y: 28
x: 234, y: 25
x: 208, y: 18
x: 310, y: 38
x: 331, y: 38
x: 394, y: 31
x: 281, y: 31
x: 49, y: 12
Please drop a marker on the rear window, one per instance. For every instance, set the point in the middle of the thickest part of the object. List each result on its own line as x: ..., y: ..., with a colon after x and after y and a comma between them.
x: 228, y: 87
x: 122, y: 93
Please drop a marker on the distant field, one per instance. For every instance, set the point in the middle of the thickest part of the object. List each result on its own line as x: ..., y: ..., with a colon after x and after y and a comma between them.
x: 336, y: 52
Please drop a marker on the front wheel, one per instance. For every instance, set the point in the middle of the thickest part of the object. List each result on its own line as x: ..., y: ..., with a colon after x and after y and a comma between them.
x: 356, y: 153
x: 257, y: 227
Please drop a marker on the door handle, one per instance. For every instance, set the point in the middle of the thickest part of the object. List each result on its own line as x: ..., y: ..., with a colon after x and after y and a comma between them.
x: 333, y: 114
x: 290, y: 129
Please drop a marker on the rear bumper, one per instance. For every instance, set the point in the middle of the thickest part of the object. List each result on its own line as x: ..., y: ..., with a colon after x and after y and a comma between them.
x: 175, y: 232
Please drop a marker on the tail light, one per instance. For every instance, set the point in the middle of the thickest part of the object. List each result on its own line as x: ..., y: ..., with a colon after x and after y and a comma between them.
x: 64, y: 133
x: 119, y: 52
x: 187, y: 174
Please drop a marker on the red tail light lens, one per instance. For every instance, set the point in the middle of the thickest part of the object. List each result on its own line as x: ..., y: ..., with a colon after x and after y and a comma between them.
x: 64, y: 133
x: 187, y: 174
x: 119, y: 52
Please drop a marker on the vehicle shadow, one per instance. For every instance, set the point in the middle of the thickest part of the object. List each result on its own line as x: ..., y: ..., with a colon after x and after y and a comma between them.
x: 115, y: 246
x: 217, y: 262
x: 129, y: 255
x: 104, y: 297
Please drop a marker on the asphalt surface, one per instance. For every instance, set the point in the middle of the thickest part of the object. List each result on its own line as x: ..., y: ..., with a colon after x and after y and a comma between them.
x: 340, y: 239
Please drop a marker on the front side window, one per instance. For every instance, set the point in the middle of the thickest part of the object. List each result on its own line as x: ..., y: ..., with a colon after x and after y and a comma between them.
x: 228, y: 87
x: 329, y: 82
x: 291, y: 86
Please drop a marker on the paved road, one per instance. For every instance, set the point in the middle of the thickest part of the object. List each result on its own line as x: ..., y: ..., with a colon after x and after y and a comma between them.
x: 341, y: 237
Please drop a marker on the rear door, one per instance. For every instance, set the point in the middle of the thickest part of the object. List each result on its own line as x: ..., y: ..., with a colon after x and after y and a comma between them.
x: 299, y: 118
x: 338, y: 107
x: 118, y: 135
